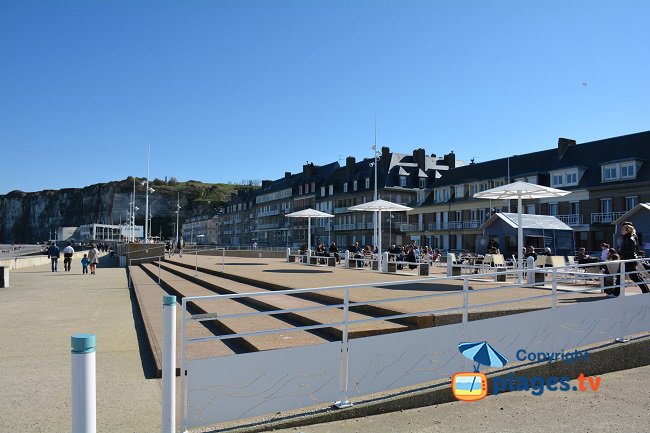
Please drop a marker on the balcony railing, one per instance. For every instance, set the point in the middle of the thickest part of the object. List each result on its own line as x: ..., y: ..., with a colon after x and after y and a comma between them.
x: 455, y: 225
x: 570, y: 219
x: 340, y: 210
x: 605, y: 218
x: 344, y: 226
x: 363, y: 226
x: 268, y: 213
x: 407, y: 227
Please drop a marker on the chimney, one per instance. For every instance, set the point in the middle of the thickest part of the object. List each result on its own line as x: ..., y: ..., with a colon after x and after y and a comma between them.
x: 308, y: 170
x: 266, y: 183
x: 349, y: 162
x: 385, y: 158
x: 563, y: 145
x: 287, y: 174
x: 418, y: 157
x: 450, y: 159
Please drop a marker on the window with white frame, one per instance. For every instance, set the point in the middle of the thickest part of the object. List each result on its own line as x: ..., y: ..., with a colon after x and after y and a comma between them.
x: 567, y: 177
x: 322, y: 191
x: 552, y: 209
x: 345, y: 187
x: 402, y: 181
x: 300, y: 189
x: 354, y: 185
x: 499, y: 182
x: 606, y: 205
x: 610, y: 172
x: 367, y: 182
x: 446, y: 194
x: 423, y: 182
x: 484, y: 185
x: 631, y: 202
x: 331, y: 189
x: 628, y: 170
x: 530, y: 209
x: 436, y: 195
x: 473, y: 189
x: 313, y: 187
x: 460, y: 191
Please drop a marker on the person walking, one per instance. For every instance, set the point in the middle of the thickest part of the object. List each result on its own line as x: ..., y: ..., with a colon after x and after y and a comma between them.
x: 628, y: 250
x: 68, y: 252
x: 181, y: 245
x: 93, y: 258
x: 84, y: 264
x: 53, y: 253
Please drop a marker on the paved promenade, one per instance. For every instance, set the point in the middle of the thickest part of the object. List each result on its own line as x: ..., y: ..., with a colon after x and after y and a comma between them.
x: 38, y: 314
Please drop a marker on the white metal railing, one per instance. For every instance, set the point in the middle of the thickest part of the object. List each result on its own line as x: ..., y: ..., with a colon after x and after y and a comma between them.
x: 570, y: 219
x: 340, y: 210
x: 607, y: 217
x: 344, y: 226
x: 406, y: 227
x: 584, y: 321
x: 455, y: 225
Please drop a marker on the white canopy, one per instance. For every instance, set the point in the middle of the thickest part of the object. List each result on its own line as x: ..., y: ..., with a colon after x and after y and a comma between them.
x: 308, y: 213
x: 379, y: 206
x: 520, y: 190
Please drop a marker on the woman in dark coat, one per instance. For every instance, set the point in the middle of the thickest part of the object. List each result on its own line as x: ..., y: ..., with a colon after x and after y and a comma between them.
x: 628, y: 251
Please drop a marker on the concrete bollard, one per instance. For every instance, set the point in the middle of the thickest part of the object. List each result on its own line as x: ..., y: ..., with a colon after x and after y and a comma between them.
x: 384, y: 262
x: 288, y: 254
x: 530, y: 270
x: 346, y: 262
x: 84, y: 391
x: 169, y: 365
x: 449, y: 267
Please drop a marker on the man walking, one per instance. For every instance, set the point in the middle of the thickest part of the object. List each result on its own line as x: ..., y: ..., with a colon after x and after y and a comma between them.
x: 68, y: 252
x: 53, y: 253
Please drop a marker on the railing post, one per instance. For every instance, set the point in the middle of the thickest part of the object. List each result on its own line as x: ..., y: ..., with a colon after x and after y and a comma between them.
x: 84, y: 392
x: 621, y: 296
x: 159, y: 270
x: 196, y: 263
x: 169, y: 365
x: 465, y: 299
x: 344, y: 374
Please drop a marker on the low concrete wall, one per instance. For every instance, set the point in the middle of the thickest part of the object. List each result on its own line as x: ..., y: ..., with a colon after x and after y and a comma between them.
x: 31, y: 261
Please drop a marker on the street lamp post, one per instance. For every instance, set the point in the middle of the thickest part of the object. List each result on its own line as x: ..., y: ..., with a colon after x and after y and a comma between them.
x: 178, y: 208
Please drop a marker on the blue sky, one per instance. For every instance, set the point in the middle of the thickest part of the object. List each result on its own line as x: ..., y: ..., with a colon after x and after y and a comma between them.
x: 232, y: 90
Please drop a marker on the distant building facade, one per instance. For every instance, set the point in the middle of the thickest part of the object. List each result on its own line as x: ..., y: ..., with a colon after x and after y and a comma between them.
x: 259, y: 214
x: 606, y: 178
x: 201, y: 229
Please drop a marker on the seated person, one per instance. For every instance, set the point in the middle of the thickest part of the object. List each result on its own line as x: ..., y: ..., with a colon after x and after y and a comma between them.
x: 582, y: 257
x: 303, y: 249
x: 410, y: 257
x: 530, y: 252
x: 335, y: 252
x: 435, y: 257
x: 547, y: 252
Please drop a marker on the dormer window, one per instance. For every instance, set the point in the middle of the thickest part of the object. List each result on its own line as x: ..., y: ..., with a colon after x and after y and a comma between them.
x: 367, y: 182
x: 402, y: 181
x: 331, y: 189
x: 620, y: 171
x: 354, y: 185
x: 322, y: 191
x: 345, y: 187
x: 567, y: 177
x: 423, y: 182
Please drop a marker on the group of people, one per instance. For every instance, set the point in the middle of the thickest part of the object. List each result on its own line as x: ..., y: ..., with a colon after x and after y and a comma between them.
x: 89, y: 260
x: 169, y: 247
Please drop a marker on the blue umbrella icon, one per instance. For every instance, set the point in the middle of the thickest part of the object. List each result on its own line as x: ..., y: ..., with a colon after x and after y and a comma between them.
x: 483, y: 354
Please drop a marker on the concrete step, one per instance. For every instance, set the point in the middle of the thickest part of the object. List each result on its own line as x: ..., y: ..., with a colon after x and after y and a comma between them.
x: 284, y: 302
x: 183, y: 287
x: 149, y: 295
